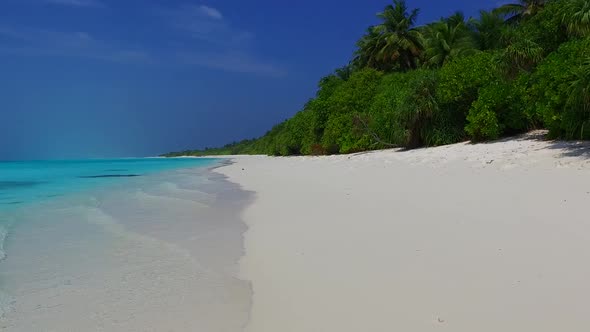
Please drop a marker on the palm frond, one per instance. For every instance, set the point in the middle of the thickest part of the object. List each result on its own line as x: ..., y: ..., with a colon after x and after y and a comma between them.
x: 487, y: 30
x: 515, y: 12
x: 510, y: 9
x: 577, y: 17
x: 448, y: 39
x: 522, y: 55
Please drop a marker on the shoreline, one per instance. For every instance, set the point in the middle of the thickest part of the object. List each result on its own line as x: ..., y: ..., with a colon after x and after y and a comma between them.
x: 463, y: 237
x: 154, y: 253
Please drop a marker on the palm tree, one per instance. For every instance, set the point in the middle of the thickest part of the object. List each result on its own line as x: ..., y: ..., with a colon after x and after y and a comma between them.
x: 448, y: 39
x: 402, y: 41
x: 520, y: 55
x: 368, y: 50
x: 395, y: 43
x: 488, y: 30
x: 577, y: 17
x: 515, y: 12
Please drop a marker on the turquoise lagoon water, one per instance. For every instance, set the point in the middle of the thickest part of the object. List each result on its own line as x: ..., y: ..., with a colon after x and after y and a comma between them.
x: 27, y: 182
x: 121, y: 245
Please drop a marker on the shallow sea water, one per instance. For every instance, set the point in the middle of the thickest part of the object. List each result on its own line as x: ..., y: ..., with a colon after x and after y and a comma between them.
x: 156, y: 251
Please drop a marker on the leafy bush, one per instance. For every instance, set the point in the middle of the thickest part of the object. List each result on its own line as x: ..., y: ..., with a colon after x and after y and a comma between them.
x: 550, y: 88
x: 546, y: 28
x: 390, y: 95
x: 497, y: 111
x: 460, y: 80
x: 405, y: 112
x: 576, y: 118
x: 320, y: 106
x: 342, y: 132
x: 417, y: 109
x: 345, y: 135
x: 483, y: 123
x: 356, y: 94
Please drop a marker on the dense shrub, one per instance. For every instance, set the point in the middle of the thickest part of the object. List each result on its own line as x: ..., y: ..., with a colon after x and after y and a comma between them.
x: 320, y: 106
x: 342, y: 132
x: 418, y: 106
x: 576, y: 118
x: 343, y: 135
x: 550, y: 87
x: 388, y: 99
x: 405, y: 112
x: 497, y: 111
x: 355, y: 94
x: 446, y: 128
x: 432, y: 125
x: 460, y: 80
x: 547, y: 28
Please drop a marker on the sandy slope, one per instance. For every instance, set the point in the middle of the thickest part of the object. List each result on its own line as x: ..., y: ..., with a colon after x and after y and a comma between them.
x: 490, y: 237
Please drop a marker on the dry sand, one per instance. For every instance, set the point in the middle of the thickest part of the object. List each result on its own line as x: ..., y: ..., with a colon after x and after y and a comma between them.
x: 489, y: 237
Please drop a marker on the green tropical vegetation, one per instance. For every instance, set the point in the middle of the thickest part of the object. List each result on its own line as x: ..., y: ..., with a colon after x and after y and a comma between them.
x: 519, y: 67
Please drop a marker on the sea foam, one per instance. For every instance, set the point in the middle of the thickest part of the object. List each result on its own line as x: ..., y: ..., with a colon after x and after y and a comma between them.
x: 3, y: 233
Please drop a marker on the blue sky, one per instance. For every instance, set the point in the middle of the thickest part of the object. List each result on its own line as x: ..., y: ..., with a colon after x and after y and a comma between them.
x: 116, y: 78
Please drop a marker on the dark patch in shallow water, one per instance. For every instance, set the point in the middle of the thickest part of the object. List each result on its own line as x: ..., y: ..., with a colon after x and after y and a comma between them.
x: 109, y: 176
x: 18, y: 184
x: 52, y: 195
x: 12, y: 203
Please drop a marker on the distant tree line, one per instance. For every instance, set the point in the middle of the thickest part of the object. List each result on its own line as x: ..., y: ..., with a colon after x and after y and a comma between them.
x: 515, y: 68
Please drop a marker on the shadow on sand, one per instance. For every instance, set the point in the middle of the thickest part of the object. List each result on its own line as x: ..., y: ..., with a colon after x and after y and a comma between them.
x: 579, y: 149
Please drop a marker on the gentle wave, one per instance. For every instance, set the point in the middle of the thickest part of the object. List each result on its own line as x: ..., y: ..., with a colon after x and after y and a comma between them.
x: 3, y: 234
x: 5, y: 223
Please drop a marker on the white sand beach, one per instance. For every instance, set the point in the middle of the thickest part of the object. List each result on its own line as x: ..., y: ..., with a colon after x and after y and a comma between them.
x: 487, y: 237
